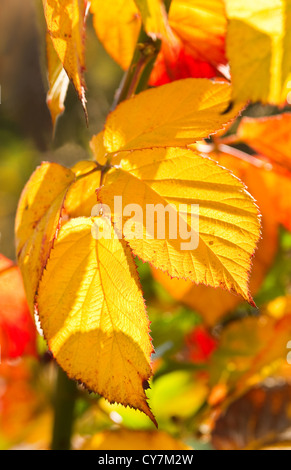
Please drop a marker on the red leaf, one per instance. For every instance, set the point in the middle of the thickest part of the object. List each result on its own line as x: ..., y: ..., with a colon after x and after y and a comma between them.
x: 17, y: 330
x: 201, y: 345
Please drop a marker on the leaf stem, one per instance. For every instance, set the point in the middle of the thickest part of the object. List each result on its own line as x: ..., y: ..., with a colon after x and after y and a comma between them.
x: 240, y: 154
x: 137, y: 76
x: 64, y: 406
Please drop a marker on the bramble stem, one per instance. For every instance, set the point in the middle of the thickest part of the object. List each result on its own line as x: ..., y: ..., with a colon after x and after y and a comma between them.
x: 137, y: 76
x: 64, y: 406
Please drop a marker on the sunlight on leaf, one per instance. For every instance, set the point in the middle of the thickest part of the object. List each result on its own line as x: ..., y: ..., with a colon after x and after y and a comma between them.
x: 93, y: 315
x: 258, y: 47
x: 173, y: 115
x: 66, y: 27
x: 228, y: 218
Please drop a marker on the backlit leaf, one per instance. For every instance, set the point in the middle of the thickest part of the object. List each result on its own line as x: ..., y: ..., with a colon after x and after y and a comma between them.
x: 37, y: 220
x: 193, y: 38
x: 66, y: 27
x: 117, y: 24
x: 153, y: 15
x: 228, y: 218
x: 93, y: 315
x: 194, y: 46
x: 81, y: 196
x: 170, y: 116
x: 211, y: 303
x: 52, y: 191
x: 58, y: 82
x: 201, y: 25
x: 258, y: 47
x: 269, y: 136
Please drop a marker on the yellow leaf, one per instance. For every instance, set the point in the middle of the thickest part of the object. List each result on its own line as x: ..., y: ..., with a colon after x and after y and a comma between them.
x: 81, y: 196
x: 37, y: 220
x: 58, y: 82
x: 229, y: 227
x: 117, y: 25
x: 170, y: 116
x: 211, y: 303
x: 66, y: 27
x: 153, y: 15
x: 133, y: 440
x: 52, y: 191
x: 93, y: 315
x: 98, y: 149
x: 258, y: 47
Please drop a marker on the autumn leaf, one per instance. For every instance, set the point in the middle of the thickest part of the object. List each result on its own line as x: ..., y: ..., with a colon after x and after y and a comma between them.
x: 258, y: 48
x: 269, y: 136
x: 93, y: 314
x: 214, y: 304
x: 170, y: 116
x: 66, y: 27
x: 17, y: 330
x: 98, y: 149
x: 37, y: 220
x: 228, y: 218
x: 81, y: 196
x: 58, y: 82
x: 256, y: 349
x: 193, y: 37
x: 256, y: 421
x: 176, y: 116
x: 194, y: 43
x: 52, y: 196
x: 117, y: 24
x: 133, y: 440
x: 153, y: 15
x: 200, y: 345
x: 201, y: 25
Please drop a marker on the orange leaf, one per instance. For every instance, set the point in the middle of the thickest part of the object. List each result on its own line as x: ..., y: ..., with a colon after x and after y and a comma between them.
x: 66, y: 27
x: 18, y: 400
x: 195, y: 44
x: 269, y: 136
